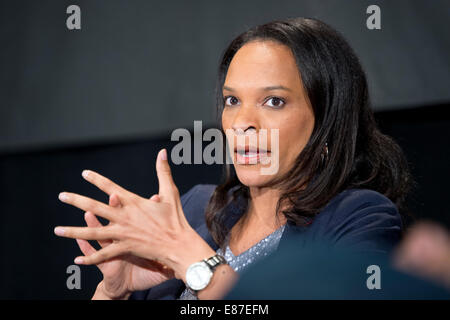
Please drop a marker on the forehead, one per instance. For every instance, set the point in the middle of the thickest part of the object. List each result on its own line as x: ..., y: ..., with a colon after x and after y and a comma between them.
x: 261, y: 63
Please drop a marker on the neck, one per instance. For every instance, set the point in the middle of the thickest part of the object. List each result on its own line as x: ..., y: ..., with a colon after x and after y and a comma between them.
x: 260, y: 219
x: 262, y: 208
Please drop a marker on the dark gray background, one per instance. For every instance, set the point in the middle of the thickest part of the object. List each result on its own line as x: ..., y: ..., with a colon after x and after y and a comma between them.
x: 139, y: 68
x: 107, y: 97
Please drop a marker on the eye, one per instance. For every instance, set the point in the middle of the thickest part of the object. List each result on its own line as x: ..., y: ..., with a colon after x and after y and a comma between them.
x: 276, y: 102
x: 230, y: 100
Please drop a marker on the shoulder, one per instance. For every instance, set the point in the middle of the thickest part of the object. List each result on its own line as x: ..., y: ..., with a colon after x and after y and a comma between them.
x: 355, y: 201
x: 362, y: 218
x: 194, y: 203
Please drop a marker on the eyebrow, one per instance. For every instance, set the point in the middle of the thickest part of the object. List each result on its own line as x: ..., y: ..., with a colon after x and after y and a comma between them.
x: 279, y: 87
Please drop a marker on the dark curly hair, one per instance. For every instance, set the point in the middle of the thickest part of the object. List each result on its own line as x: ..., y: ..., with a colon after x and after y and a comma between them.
x: 359, y: 155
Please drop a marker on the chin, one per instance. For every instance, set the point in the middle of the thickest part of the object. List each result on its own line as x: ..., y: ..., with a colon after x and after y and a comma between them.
x: 250, y: 176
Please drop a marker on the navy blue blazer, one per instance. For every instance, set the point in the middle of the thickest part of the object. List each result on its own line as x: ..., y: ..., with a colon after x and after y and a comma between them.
x: 361, y: 219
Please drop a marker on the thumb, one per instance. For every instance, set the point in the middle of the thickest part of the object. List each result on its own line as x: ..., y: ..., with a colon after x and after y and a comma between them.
x: 167, y: 188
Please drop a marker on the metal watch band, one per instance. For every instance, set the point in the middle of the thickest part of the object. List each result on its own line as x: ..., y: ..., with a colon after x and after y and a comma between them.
x: 215, y: 260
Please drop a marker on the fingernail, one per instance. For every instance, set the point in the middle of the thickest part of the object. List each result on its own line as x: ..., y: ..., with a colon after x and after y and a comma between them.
x: 78, y: 260
x: 164, y: 154
x: 62, y: 196
x: 85, y: 173
x: 59, y: 231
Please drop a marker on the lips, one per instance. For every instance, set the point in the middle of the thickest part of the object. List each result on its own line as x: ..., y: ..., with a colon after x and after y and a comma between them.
x: 249, y: 154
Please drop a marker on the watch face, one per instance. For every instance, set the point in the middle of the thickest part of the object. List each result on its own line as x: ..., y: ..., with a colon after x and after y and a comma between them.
x: 198, y: 275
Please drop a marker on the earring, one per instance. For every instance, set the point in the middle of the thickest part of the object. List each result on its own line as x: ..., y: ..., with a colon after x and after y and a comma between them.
x: 324, y: 154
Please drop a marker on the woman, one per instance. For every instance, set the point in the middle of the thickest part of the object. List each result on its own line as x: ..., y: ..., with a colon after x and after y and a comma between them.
x: 338, y: 179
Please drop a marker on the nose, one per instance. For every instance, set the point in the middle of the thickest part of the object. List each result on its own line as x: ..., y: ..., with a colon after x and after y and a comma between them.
x: 245, y: 121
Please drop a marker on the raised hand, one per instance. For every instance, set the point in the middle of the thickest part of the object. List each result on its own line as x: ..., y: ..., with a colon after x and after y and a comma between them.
x: 123, y: 274
x: 151, y: 229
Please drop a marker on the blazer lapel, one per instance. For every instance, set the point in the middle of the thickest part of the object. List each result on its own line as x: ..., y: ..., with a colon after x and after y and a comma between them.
x: 291, y: 231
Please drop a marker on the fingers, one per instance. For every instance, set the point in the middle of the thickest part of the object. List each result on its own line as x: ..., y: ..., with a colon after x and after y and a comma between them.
x: 114, y: 200
x: 87, y: 204
x: 85, y: 247
x: 100, y: 256
x: 92, y: 222
x: 86, y: 233
x: 155, y: 198
x: 167, y: 188
x: 103, y: 183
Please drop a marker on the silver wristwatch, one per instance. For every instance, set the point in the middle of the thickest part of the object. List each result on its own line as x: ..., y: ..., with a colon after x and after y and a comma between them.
x: 199, y: 274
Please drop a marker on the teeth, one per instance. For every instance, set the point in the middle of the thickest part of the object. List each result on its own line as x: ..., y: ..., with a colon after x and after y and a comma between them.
x: 248, y: 153
x: 245, y: 153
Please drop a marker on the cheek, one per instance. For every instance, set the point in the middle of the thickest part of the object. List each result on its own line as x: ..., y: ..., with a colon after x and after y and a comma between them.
x: 294, y: 135
x: 226, y: 126
x: 227, y: 118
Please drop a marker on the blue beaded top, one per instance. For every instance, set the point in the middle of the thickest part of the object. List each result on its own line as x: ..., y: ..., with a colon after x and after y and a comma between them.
x: 242, y: 261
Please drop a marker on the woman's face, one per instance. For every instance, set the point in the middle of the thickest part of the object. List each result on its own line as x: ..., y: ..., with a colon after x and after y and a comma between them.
x: 263, y: 90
